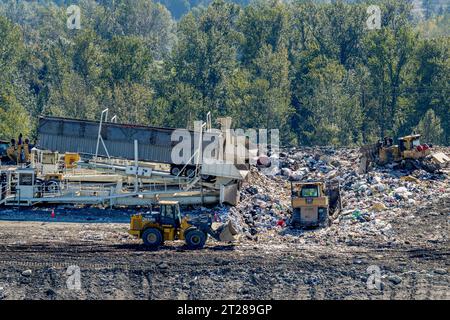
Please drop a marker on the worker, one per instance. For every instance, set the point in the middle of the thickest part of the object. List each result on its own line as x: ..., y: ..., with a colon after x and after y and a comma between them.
x: 12, y: 151
x: 20, y: 149
x: 27, y: 150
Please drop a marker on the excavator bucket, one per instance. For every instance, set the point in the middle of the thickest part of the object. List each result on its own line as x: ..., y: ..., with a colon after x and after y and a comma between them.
x: 227, y: 231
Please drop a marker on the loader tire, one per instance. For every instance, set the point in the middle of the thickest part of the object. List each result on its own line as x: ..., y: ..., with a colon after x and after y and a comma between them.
x: 152, y: 238
x: 195, y: 239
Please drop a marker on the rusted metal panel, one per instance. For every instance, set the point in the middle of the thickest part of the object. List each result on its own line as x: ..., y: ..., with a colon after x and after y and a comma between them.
x: 71, y: 135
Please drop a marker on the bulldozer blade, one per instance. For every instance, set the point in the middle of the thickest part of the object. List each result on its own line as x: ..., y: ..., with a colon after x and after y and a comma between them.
x: 334, y: 196
x: 369, y: 154
x: 227, y: 232
x: 440, y: 158
x: 370, y: 151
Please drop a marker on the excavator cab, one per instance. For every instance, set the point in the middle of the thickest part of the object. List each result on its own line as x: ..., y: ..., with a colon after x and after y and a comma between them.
x: 167, y: 224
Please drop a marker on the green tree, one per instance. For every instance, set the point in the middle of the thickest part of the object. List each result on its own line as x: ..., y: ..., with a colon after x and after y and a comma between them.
x: 128, y: 60
x: 389, y: 52
x: 13, y: 118
x: 430, y: 128
x: 263, y: 23
x: 429, y: 79
x: 205, y: 55
x: 11, y: 49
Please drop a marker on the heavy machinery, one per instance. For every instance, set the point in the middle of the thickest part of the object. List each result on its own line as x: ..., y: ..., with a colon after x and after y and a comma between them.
x: 12, y: 153
x: 408, y: 154
x: 166, y: 224
x: 155, y: 144
x: 314, y: 203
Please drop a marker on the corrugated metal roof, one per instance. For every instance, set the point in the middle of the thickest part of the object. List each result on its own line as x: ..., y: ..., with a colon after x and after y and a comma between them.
x: 71, y: 135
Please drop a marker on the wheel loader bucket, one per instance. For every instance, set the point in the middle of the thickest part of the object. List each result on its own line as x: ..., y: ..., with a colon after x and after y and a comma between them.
x: 227, y: 231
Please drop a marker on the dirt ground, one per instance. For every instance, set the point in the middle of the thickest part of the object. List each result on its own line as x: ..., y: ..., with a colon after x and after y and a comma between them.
x: 38, y: 259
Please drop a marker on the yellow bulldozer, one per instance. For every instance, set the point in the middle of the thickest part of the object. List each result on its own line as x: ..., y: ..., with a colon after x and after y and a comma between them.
x: 314, y: 203
x: 166, y: 224
x: 409, y: 153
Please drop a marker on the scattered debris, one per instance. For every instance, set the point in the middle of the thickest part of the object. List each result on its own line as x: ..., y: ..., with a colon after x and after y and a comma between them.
x: 440, y: 271
x: 396, y: 219
x: 394, y: 279
x: 163, y: 266
x: 371, y: 202
x: 27, y: 273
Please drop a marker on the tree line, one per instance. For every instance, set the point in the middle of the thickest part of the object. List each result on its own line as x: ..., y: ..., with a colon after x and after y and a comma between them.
x: 313, y: 70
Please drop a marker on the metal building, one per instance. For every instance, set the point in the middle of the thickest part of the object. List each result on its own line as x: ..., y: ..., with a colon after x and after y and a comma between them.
x: 81, y: 136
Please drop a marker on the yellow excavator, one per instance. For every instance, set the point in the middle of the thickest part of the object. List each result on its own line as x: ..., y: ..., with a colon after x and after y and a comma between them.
x: 409, y: 153
x: 166, y: 224
x: 314, y: 203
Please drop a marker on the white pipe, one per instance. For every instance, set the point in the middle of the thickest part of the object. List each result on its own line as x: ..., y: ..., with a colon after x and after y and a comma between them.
x: 100, y: 130
x: 136, y: 164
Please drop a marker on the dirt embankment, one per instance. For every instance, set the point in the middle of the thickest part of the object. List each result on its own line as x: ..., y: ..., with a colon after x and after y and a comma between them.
x: 35, y: 258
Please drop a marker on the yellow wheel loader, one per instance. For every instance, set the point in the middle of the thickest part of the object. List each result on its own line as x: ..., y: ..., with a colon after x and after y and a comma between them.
x: 408, y: 154
x: 314, y: 203
x: 166, y: 224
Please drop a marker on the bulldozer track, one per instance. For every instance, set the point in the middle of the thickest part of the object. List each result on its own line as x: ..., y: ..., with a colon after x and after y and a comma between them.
x: 120, y: 259
x: 62, y: 265
x: 283, y: 271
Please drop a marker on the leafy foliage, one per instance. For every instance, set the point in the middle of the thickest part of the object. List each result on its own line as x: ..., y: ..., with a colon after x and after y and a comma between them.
x: 309, y: 68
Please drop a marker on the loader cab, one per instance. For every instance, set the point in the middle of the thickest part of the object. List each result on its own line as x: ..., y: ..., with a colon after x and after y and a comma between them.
x: 170, y: 213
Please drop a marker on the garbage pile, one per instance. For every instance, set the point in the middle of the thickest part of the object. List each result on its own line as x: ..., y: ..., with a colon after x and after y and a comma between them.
x: 370, y: 202
x: 264, y: 204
